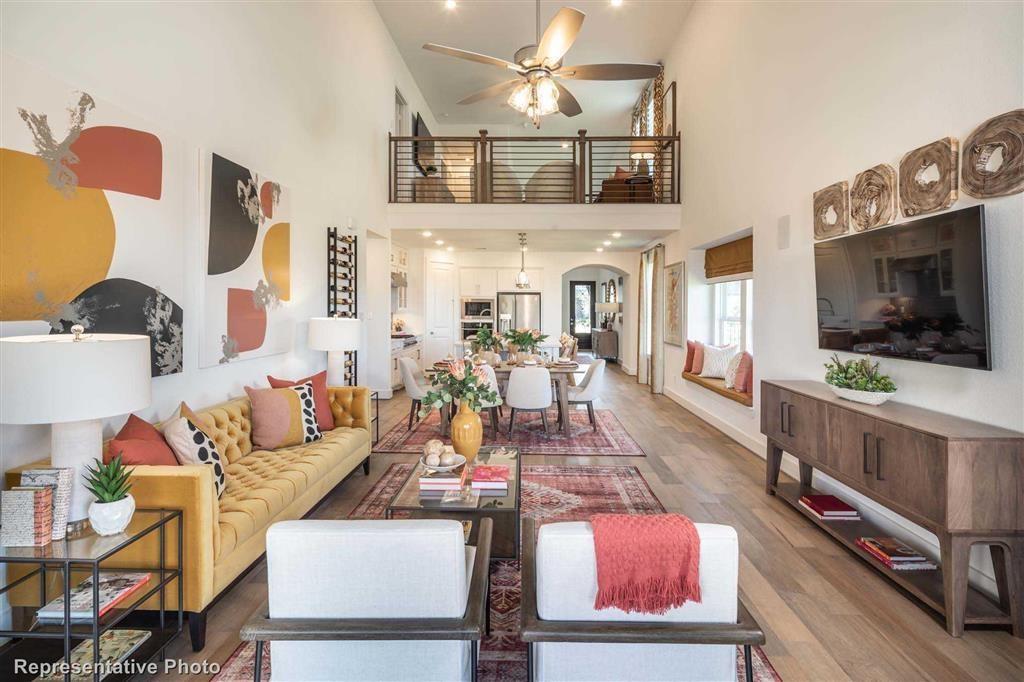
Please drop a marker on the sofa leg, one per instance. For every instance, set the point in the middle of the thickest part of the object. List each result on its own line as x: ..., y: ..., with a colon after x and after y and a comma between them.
x: 366, y: 465
x: 197, y: 629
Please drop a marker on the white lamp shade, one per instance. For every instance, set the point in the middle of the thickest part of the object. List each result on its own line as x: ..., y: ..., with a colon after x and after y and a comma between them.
x: 605, y: 307
x: 334, y: 333
x: 52, y: 378
x: 642, y: 149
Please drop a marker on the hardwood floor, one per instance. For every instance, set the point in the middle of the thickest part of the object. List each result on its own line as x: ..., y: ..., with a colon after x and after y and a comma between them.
x: 826, y: 614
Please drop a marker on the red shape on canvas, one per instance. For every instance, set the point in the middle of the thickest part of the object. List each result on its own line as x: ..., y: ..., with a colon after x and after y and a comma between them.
x: 119, y: 159
x: 247, y: 322
x: 267, y: 199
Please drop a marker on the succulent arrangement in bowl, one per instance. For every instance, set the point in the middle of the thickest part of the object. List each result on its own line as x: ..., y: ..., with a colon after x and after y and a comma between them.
x: 110, y: 483
x: 858, y: 380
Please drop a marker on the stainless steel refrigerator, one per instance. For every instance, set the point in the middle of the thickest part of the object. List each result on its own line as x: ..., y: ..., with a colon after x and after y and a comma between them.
x: 518, y: 310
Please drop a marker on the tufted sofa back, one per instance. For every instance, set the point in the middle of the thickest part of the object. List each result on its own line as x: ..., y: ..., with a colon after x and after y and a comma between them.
x: 230, y: 426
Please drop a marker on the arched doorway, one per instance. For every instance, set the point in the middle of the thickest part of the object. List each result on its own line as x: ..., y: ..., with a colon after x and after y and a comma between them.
x: 592, y: 298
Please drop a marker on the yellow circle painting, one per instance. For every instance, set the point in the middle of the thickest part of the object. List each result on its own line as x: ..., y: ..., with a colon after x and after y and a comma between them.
x: 54, y: 244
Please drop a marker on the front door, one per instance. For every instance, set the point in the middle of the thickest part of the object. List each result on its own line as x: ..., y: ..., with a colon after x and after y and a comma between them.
x: 581, y: 312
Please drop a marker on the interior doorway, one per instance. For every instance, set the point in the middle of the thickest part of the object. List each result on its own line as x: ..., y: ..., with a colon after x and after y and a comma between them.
x: 581, y: 312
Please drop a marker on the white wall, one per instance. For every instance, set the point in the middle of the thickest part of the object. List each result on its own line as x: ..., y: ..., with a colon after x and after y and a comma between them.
x: 784, y: 104
x: 270, y: 85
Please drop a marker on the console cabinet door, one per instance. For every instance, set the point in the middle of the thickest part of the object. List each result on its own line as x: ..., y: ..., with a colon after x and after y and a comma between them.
x: 851, y: 443
x: 795, y: 422
x: 910, y: 471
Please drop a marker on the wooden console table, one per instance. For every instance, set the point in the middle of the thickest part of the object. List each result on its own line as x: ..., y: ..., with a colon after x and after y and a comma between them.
x: 960, y: 479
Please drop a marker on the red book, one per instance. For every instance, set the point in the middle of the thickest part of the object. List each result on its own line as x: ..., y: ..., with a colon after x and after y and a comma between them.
x: 490, y: 476
x: 834, y: 517
x: 891, y: 549
x: 828, y: 505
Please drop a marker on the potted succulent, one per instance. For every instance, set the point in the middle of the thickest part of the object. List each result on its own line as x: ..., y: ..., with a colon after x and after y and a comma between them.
x: 112, y: 510
x: 858, y: 380
x: 459, y: 380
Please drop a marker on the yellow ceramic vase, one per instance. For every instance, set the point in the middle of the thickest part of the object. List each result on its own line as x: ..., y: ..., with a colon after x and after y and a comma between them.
x: 467, y: 431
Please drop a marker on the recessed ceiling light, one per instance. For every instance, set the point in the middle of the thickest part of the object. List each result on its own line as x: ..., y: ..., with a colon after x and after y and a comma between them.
x: 439, y: 242
x: 599, y: 250
x: 615, y: 3
x: 451, y: 4
x: 606, y: 243
x: 450, y: 248
x: 616, y: 234
x: 426, y: 233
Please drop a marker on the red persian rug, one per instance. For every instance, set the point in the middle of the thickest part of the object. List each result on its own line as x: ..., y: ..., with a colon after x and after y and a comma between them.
x: 551, y: 493
x: 610, y: 440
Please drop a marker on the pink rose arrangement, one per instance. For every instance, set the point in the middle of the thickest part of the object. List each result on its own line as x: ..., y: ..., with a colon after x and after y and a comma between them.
x: 459, y: 380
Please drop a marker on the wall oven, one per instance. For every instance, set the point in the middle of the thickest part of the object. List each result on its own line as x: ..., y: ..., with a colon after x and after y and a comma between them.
x: 469, y: 329
x: 478, y: 309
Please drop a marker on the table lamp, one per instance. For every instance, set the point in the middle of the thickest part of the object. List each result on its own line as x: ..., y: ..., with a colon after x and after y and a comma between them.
x: 336, y: 335
x: 642, y: 151
x: 72, y: 381
x: 607, y: 309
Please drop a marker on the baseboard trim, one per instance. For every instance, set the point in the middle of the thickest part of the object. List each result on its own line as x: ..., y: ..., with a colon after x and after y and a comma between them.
x: 755, y: 445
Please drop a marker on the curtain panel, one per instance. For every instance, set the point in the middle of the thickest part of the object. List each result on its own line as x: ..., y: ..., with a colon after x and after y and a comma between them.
x: 732, y: 258
x: 650, y: 367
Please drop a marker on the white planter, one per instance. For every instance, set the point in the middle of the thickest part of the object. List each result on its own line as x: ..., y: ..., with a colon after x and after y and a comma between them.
x: 867, y: 397
x: 110, y: 518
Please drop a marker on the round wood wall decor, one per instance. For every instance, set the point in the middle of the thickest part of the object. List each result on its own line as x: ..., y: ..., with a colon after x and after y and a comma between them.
x: 873, y: 198
x: 993, y: 159
x: 928, y: 177
x: 832, y: 211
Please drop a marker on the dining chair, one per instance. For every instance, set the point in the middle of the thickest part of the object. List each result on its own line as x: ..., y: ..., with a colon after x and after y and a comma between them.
x: 492, y: 407
x: 529, y: 390
x: 416, y: 386
x: 588, y: 389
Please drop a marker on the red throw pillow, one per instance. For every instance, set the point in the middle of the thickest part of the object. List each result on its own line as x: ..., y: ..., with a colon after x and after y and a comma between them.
x: 321, y: 401
x: 745, y: 374
x: 698, y: 358
x: 690, y: 348
x: 621, y: 173
x: 139, y: 442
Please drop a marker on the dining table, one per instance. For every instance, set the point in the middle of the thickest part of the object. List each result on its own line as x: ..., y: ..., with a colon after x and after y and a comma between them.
x: 562, y: 375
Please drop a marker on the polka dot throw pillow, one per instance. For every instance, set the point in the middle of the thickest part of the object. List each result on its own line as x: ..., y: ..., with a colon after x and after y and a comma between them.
x: 192, y: 446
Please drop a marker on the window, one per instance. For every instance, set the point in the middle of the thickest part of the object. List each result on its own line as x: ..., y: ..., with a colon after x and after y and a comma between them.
x: 733, y: 311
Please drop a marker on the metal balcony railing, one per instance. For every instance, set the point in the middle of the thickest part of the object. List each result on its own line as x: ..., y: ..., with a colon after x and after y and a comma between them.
x: 534, y: 170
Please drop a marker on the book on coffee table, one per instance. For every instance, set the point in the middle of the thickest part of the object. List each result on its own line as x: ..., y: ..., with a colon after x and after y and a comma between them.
x: 490, y: 477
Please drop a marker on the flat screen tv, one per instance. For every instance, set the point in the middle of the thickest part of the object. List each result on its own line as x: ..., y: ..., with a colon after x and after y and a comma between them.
x: 914, y: 291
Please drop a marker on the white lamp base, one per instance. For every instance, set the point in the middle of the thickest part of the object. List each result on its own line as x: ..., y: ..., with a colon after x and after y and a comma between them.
x: 76, y: 445
x: 336, y: 368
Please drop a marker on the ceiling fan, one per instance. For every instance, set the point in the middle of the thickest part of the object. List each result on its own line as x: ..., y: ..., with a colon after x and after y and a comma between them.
x: 536, y: 91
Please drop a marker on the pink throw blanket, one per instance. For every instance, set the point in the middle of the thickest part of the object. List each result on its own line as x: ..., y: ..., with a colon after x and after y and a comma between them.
x: 646, y: 563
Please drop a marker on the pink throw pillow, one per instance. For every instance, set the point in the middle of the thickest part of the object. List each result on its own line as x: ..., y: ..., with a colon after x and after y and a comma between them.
x: 698, y: 358
x: 745, y: 374
x: 688, y: 367
x: 139, y: 442
x: 321, y: 398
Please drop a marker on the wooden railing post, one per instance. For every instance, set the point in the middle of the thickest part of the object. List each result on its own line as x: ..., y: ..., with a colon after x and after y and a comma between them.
x: 484, y: 181
x: 391, y: 168
x: 581, y: 179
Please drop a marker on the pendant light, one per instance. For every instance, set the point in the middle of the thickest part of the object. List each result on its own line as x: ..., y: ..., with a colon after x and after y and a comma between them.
x: 522, y: 279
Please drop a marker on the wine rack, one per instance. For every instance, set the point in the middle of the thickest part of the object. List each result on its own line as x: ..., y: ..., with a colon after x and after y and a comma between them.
x: 342, y: 274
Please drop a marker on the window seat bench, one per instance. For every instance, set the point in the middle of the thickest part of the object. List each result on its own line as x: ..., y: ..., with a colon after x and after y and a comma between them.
x: 718, y: 386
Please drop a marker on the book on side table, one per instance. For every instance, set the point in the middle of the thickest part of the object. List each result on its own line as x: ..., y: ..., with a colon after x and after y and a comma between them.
x: 114, y: 588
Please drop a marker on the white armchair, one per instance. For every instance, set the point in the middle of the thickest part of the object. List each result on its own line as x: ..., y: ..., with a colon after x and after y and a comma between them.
x: 569, y: 639
x: 343, y: 593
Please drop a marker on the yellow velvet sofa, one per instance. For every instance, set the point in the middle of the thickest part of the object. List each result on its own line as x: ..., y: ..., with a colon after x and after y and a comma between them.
x: 224, y: 537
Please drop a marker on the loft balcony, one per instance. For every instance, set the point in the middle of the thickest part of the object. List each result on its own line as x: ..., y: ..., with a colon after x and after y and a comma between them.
x: 534, y: 170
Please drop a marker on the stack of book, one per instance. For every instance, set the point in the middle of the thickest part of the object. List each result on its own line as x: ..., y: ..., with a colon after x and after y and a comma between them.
x: 115, y: 647
x: 491, y: 479
x: 829, y: 508
x: 27, y: 513
x: 114, y: 588
x: 60, y: 480
x: 895, y: 554
x: 437, y: 483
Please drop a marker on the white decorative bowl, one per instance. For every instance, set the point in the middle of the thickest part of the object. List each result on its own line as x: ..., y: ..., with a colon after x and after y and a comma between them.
x: 866, y: 397
x: 459, y: 461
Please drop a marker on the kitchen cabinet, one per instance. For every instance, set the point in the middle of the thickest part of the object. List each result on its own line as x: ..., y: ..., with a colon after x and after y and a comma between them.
x: 478, y: 282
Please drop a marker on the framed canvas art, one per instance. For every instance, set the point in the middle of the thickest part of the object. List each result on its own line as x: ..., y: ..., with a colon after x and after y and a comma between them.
x: 674, y: 285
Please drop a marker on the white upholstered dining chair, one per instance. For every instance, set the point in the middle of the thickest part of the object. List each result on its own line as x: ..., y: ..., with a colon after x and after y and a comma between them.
x: 588, y: 389
x: 492, y: 407
x: 416, y: 385
x: 373, y: 600
x: 529, y: 390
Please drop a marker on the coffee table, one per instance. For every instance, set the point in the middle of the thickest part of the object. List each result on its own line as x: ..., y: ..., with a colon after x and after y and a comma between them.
x: 503, y: 510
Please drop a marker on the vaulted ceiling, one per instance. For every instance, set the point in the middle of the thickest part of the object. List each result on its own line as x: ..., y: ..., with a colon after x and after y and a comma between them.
x: 636, y: 31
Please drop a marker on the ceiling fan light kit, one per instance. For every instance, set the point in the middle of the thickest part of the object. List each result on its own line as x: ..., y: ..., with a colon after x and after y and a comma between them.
x: 536, y: 93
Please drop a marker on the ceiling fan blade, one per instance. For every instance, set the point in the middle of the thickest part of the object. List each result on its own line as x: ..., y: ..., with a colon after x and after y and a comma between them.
x: 492, y: 91
x: 471, y: 56
x: 559, y: 35
x: 610, y: 72
x: 567, y: 103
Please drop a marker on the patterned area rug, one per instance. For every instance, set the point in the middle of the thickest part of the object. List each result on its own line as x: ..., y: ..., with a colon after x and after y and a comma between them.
x: 551, y: 493
x: 610, y: 440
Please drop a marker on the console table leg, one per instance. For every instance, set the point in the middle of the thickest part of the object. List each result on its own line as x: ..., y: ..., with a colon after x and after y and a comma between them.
x: 955, y: 551
x: 1008, y: 564
x: 806, y: 474
x: 771, y: 470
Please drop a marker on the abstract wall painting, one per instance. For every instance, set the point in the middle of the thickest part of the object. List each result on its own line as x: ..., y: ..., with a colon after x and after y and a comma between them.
x: 92, y: 217
x: 992, y: 163
x: 248, y: 264
x: 873, y: 198
x: 928, y: 177
x: 674, y: 286
x: 832, y: 211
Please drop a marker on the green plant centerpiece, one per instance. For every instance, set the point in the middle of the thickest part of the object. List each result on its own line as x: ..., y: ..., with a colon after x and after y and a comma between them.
x: 486, y: 340
x: 523, y: 339
x: 858, y: 380
x: 460, y: 380
x: 110, y: 484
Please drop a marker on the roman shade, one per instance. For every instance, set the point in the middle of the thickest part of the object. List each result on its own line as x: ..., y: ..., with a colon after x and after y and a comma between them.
x: 732, y: 258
